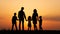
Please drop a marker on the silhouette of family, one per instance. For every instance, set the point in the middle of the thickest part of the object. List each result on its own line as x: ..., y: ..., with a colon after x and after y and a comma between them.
x: 21, y: 16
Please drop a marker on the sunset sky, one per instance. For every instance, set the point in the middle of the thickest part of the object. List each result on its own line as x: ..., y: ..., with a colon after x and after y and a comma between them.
x: 48, y: 9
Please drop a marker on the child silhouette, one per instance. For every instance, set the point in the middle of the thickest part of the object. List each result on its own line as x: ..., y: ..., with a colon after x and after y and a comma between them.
x: 40, y: 22
x: 29, y: 23
x: 14, y: 18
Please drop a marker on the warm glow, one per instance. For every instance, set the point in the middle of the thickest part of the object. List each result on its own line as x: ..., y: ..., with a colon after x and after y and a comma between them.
x: 49, y: 9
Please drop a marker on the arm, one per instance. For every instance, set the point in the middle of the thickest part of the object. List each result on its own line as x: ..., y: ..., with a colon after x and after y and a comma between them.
x: 37, y: 16
x: 24, y: 16
x: 32, y: 17
x: 16, y: 18
x: 18, y: 14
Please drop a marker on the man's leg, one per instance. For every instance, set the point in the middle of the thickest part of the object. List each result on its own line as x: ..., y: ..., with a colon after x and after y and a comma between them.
x: 22, y: 24
x: 28, y: 28
x: 19, y: 25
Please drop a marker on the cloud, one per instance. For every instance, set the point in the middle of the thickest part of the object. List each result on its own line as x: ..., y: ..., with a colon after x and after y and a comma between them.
x: 52, y: 18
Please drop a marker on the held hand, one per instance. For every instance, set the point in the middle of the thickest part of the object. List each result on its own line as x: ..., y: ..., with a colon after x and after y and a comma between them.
x: 26, y: 20
x: 17, y: 19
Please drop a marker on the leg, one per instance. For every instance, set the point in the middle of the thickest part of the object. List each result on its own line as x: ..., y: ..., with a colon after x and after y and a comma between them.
x: 19, y: 25
x: 12, y: 26
x: 39, y: 26
x: 28, y: 28
x: 16, y: 26
x: 22, y: 24
x: 34, y: 26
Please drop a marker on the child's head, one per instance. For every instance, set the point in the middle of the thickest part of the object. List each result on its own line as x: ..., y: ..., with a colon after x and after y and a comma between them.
x: 14, y: 14
x: 40, y: 17
x: 29, y: 17
x: 35, y: 11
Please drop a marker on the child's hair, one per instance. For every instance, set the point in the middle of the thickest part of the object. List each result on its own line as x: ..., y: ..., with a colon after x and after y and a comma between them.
x: 40, y: 17
x: 29, y: 17
x: 14, y: 13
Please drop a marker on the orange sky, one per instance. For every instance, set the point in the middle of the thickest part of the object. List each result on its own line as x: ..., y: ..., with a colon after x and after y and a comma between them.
x: 49, y: 9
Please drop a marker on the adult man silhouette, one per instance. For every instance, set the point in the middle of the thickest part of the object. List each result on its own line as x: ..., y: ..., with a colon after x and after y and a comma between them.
x: 21, y: 16
x: 34, y: 18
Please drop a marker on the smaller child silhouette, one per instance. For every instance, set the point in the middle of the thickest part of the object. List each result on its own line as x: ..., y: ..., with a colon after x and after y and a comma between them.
x: 40, y: 22
x: 14, y: 18
x: 29, y: 23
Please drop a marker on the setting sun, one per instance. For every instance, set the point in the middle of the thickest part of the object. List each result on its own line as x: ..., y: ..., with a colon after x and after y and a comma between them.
x: 48, y: 9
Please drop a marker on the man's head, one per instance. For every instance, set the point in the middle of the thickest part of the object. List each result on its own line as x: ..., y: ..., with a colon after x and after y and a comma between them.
x: 35, y: 11
x: 22, y: 8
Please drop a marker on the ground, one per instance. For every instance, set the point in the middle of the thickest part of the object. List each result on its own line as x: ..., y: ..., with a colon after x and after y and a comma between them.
x: 28, y: 32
